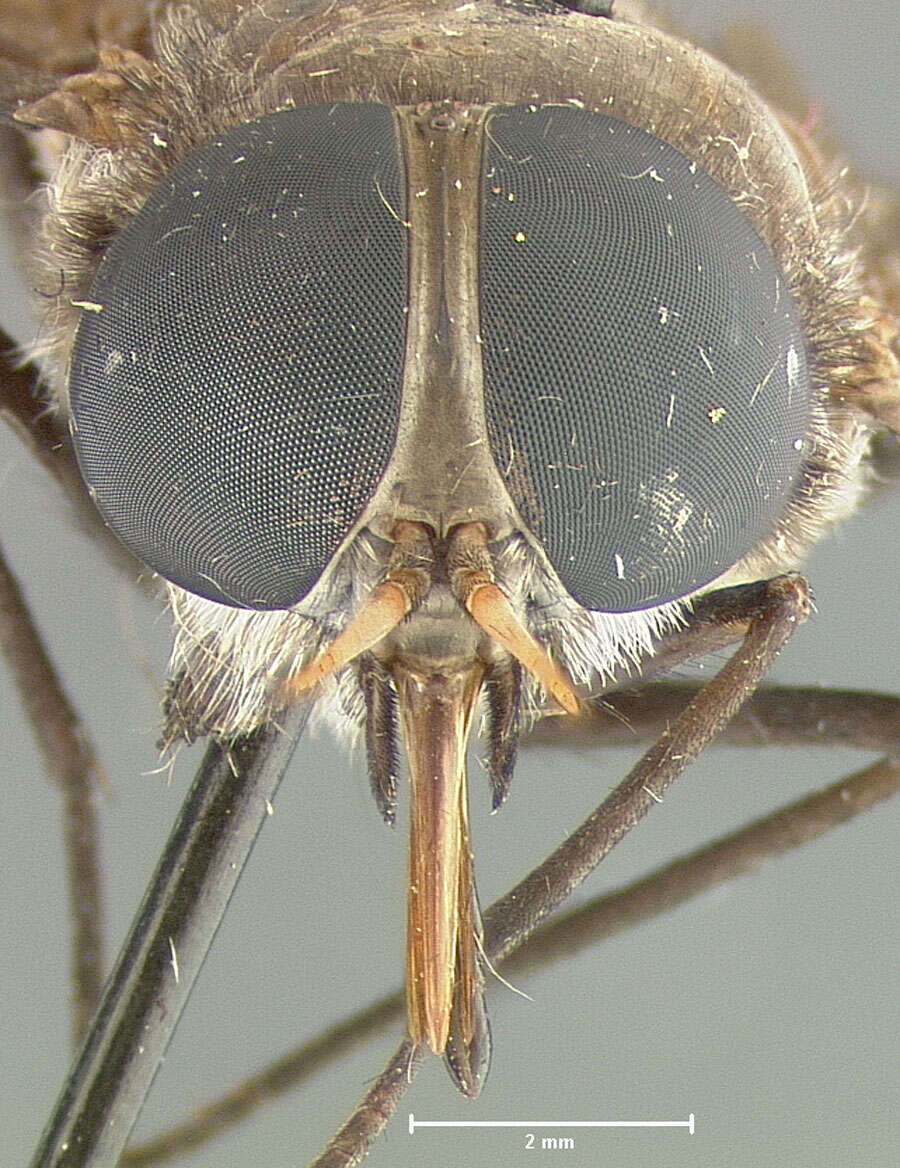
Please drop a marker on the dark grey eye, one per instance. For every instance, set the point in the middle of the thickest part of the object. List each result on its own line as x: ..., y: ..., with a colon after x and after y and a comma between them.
x: 235, y: 389
x: 646, y: 379
x: 236, y: 382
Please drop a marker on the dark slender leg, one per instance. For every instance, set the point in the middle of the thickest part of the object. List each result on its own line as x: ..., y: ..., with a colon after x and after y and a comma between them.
x: 38, y: 426
x: 772, y: 609
x: 352, y: 1140
x: 69, y: 761
x: 47, y: 439
x: 665, y: 888
x: 773, y: 716
x: 717, y: 621
x: 161, y: 959
x: 715, y: 863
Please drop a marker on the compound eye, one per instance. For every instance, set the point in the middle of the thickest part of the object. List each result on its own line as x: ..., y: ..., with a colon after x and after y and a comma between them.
x: 235, y: 382
x: 646, y: 379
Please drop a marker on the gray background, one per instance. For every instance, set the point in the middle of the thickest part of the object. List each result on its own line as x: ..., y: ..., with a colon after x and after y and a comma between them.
x: 768, y: 1008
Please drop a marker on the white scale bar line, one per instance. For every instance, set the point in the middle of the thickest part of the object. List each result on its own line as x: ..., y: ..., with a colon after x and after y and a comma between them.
x: 415, y: 1123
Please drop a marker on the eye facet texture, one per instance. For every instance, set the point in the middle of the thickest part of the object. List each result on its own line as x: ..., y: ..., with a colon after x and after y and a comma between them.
x: 646, y: 380
x: 236, y: 392
x: 236, y: 386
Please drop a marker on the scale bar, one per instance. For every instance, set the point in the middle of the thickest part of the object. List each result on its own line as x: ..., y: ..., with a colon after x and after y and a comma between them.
x: 416, y: 1123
